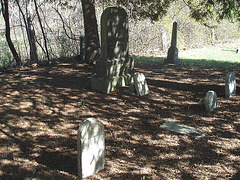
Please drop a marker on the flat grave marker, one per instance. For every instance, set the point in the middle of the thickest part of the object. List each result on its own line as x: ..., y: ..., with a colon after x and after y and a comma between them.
x: 182, y: 129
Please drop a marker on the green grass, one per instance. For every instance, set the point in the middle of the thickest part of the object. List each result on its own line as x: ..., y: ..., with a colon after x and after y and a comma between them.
x: 220, y: 56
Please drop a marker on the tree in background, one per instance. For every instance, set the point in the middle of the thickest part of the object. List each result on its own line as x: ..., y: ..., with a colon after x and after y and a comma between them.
x: 201, y: 10
x: 91, y: 31
x: 30, y: 32
x: 43, y: 33
x: 61, y: 23
x: 5, y: 12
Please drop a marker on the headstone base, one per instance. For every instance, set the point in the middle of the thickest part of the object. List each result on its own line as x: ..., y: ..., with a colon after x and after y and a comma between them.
x: 172, y: 57
x: 108, y: 84
x: 114, y: 67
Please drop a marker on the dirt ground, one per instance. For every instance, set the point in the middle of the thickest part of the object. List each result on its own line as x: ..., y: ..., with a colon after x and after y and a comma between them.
x: 41, y: 109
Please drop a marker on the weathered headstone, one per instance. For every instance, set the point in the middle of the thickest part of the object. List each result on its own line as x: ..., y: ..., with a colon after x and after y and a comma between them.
x: 82, y: 49
x: 140, y: 84
x: 182, y: 129
x: 211, y: 101
x: 164, y: 41
x: 230, y: 85
x: 172, y: 56
x: 132, y: 89
x: 91, y: 147
x: 115, y: 68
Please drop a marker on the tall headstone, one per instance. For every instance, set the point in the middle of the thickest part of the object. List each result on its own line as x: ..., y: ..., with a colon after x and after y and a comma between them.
x: 230, y: 85
x: 172, y: 56
x: 90, y: 147
x: 115, y: 68
x: 211, y: 101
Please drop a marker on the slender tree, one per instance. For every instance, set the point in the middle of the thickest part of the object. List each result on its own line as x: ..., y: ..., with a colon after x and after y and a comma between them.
x: 5, y: 12
x: 43, y: 33
x: 30, y: 34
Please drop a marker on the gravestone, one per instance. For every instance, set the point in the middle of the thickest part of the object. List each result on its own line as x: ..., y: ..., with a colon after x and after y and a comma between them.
x: 82, y: 49
x: 164, y: 41
x: 210, y: 101
x: 140, y: 84
x: 115, y: 68
x: 182, y: 129
x: 90, y: 147
x: 230, y: 85
x: 172, y: 56
x: 131, y: 89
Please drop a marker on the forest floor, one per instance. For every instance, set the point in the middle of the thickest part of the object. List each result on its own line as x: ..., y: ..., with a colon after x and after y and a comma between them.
x: 41, y: 109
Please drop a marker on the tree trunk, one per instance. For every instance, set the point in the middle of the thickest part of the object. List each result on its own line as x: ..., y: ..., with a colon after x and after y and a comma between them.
x: 44, y: 37
x: 32, y: 41
x: 30, y: 34
x: 91, y: 31
x: 5, y: 13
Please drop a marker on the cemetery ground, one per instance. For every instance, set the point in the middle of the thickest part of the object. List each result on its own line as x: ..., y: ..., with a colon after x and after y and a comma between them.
x: 42, y: 107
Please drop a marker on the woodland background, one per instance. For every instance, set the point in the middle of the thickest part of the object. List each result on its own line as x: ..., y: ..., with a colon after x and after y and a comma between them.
x: 47, y: 30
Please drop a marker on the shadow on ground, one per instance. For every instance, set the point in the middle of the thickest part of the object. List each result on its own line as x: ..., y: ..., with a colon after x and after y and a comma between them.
x: 41, y: 109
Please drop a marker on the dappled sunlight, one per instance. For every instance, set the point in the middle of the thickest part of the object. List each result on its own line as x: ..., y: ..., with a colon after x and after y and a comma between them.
x: 42, y: 108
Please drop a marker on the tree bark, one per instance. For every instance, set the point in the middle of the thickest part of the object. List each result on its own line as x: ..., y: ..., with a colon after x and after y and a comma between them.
x: 44, y: 37
x: 32, y: 41
x: 30, y: 34
x: 91, y: 31
x: 5, y: 13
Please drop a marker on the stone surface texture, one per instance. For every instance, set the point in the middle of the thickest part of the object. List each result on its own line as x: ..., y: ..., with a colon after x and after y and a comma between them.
x: 172, y: 56
x: 211, y: 101
x: 140, y: 83
x: 182, y: 129
x: 230, y: 85
x: 115, y: 67
x: 90, y: 147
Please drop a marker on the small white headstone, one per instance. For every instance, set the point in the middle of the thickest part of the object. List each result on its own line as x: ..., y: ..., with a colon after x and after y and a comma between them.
x: 140, y: 84
x: 230, y: 85
x: 211, y: 101
x: 91, y: 147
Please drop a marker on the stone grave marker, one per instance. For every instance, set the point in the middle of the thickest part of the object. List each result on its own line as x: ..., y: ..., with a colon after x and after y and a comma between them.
x: 210, y: 101
x: 140, y: 84
x: 182, y: 129
x: 90, y: 147
x: 132, y: 89
x: 230, y: 85
x: 164, y: 41
x: 172, y: 56
x: 115, y: 68
x: 82, y: 49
